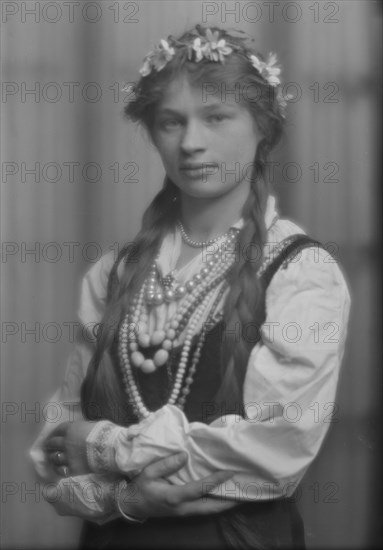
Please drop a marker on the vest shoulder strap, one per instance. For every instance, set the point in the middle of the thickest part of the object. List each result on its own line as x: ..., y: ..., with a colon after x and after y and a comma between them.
x: 284, y: 252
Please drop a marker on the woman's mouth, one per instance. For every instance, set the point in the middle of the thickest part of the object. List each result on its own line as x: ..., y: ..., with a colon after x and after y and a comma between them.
x: 199, y: 170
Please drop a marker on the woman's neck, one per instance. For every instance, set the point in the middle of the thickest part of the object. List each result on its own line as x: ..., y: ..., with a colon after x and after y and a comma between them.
x: 208, y: 218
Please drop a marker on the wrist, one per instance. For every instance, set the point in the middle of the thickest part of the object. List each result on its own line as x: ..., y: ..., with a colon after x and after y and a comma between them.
x: 122, y: 498
x: 99, y: 446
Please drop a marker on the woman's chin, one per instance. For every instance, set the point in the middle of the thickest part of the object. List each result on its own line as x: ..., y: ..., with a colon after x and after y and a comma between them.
x: 202, y: 194
x: 202, y: 189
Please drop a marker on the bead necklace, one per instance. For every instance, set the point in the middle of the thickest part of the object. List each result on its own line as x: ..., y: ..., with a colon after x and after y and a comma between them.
x: 174, y: 399
x: 197, y: 353
x: 160, y: 290
x: 136, y: 319
x: 134, y: 333
x: 198, y: 244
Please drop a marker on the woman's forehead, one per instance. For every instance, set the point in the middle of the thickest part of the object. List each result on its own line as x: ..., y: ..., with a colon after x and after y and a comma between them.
x: 182, y: 94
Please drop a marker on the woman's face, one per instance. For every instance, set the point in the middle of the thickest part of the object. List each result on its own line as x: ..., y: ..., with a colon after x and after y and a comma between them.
x: 207, y: 144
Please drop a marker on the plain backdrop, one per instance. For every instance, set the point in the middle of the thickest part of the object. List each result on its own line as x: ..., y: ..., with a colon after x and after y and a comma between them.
x: 76, y: 178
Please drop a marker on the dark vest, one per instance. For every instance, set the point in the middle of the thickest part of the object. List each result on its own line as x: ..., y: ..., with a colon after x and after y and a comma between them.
x: 266, y: 524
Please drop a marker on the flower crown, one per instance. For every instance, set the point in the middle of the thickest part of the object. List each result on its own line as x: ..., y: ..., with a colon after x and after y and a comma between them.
x: 209, y: 47
x: 206, y: 44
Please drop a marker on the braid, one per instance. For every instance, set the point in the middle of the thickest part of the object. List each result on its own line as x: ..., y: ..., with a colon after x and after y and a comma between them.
x: 159, y: 217
x: 244, y: 305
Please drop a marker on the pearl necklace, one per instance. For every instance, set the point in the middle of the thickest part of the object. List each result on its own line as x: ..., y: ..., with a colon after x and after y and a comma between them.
x: 130, y: 385
x: 134, y: 335
x: 198, y: 244
x: 135, y: 323
x: 160, y: 289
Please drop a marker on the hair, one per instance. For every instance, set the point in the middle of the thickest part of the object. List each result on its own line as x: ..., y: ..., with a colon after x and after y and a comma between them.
x: 245, y: 301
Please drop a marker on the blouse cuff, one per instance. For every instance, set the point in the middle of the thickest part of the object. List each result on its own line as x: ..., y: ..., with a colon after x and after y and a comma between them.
x: 100, y: 446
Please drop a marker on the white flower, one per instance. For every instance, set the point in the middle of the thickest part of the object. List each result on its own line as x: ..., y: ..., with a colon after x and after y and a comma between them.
x: 282, y: 100
x: 267, y: 70
x: 146, y: 67
x: 211, y: 45
x: 198, y: 48
x: 257, y: 64
x: 212, y: 37
x: 209, y: 48
x: 162, y: 55
x: 272, y: 59
x: 166, y: 50
x: 158, y: 58
x: 223, y: 50
x: 273, y: 72
x: 273, y: 80
x: 214, y: 49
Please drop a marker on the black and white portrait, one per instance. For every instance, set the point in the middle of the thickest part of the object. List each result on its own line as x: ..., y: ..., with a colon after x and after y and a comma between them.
x: 190, y: 313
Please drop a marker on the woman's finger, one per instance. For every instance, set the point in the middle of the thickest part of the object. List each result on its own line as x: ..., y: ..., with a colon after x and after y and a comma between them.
x: 197, y: 489
x: 206, y: 506
x: 214, y: 480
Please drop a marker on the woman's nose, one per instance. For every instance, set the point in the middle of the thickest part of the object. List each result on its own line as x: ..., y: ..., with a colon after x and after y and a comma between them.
x: 193, y: 138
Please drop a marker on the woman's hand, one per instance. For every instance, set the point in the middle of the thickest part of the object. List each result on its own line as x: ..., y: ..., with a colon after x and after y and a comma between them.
x: 90, y: 497
x: 66, y: 448
x: 150, y: 495
x: 94, y: 497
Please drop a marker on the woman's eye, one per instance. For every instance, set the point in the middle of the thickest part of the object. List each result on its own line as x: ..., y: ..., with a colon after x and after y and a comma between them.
x: 169, y: 123
x: 216, y: 118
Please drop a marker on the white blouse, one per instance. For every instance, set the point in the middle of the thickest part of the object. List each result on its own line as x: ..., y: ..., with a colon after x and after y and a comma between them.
x: 289, y: 389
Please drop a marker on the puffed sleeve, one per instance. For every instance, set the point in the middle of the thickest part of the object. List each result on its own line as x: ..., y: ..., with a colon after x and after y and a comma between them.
x: 289, y: 396
x: 67, y: 399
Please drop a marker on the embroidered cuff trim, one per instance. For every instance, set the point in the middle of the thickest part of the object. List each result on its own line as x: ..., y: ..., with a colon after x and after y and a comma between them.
x: 99, y: 448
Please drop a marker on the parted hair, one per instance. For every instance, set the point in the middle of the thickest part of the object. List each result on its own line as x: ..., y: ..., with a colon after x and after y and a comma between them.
x: 244, y: 305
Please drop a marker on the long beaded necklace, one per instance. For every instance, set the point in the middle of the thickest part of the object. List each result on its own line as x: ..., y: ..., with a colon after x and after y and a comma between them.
x: 175, y: 398
x: 167, y: 337
x: 134, y: 334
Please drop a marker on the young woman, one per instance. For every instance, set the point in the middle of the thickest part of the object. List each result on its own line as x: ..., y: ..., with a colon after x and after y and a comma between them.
x: 205, y: 386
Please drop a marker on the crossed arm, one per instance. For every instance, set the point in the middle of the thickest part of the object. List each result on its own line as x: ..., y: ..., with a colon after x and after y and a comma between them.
x: 289, y: 392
